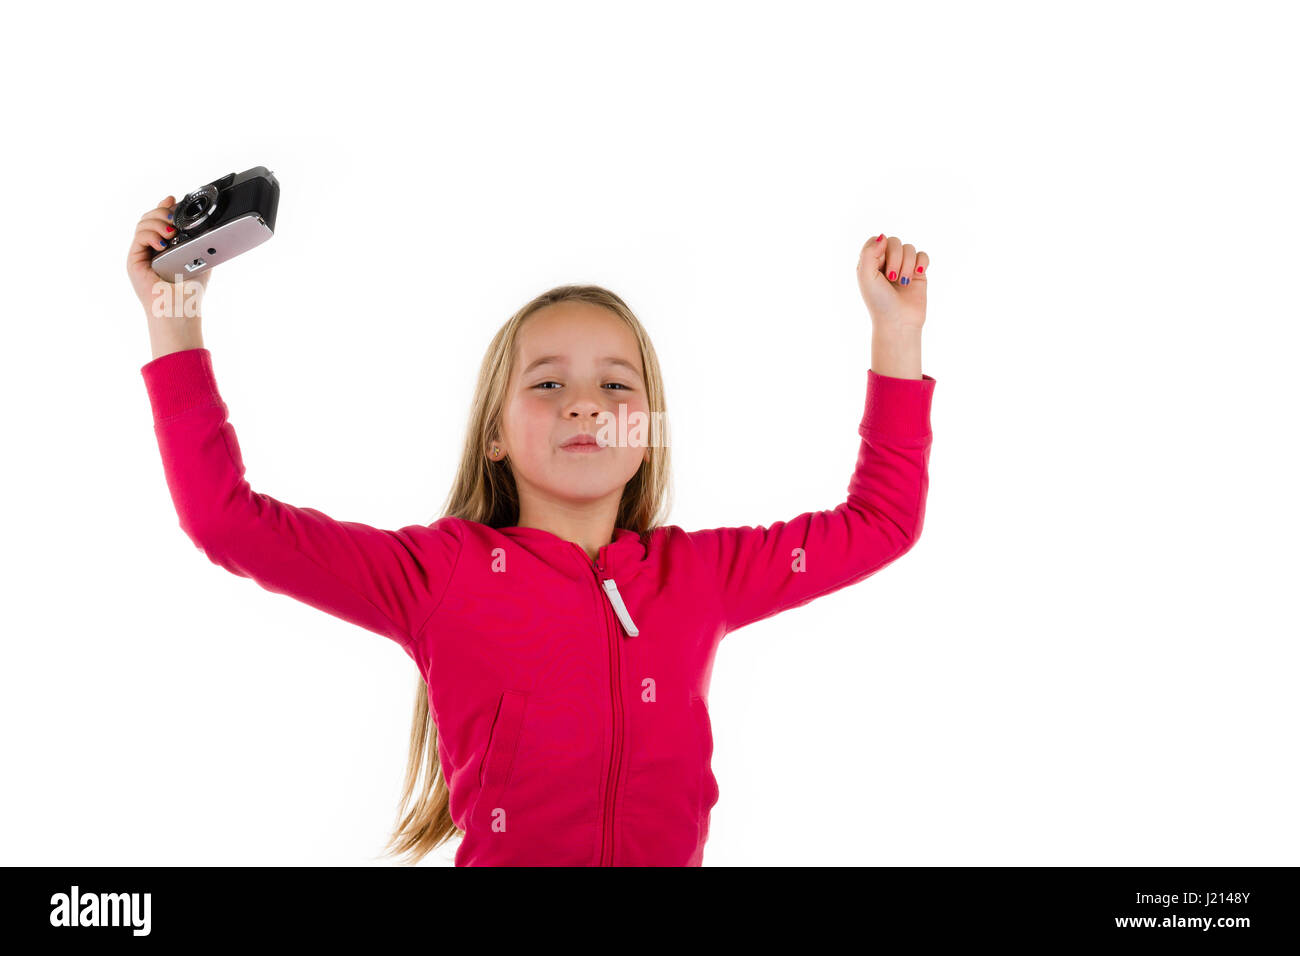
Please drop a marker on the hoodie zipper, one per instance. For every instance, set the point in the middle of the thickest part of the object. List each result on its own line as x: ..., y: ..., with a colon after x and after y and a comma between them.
x: 615, y: 600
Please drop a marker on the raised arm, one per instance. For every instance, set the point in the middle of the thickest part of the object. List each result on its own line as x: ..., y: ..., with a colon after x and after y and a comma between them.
x: 763, y: 570
x: 384, y: 581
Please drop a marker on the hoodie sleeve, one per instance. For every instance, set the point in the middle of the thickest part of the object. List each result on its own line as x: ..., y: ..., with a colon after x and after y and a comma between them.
x: 761, y: 571
x: 384, y: 581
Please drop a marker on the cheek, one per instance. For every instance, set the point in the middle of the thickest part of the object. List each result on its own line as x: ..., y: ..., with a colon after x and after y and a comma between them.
x: 638, y: 429
x: 521, y: 417
x: 534, y: 416
x: 630, y: 460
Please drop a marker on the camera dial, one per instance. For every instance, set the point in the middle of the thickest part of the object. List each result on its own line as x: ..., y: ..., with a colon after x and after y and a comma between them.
x: 196, y: 207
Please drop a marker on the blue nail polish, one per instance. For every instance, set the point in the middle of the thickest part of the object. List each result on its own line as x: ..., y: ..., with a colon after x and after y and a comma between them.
x: 169, y: 215
x: 905, y: 280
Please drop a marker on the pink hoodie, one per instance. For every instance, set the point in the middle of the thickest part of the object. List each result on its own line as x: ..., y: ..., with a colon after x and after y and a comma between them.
x: 570, y: 697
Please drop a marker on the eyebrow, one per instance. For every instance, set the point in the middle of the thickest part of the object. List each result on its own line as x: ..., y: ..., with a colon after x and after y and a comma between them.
x: 560, y: 360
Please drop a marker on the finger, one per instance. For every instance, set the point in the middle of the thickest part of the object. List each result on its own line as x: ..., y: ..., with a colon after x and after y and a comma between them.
x: 907, y: 265
x: 157, y: 221
x: 922, y: 266
x: 150, y: 235
x: 893, y: 258
x: 140, y: 253
x: 153, y: 225
x: 163, y: 213
x: 872, y: 256
x: 164, y: 210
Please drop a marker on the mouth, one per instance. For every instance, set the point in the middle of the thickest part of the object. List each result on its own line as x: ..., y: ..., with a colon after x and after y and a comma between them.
x: 582, y: 445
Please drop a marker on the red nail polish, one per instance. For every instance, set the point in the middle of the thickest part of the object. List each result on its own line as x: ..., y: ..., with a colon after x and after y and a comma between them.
x: 169, y: 229
x: 879, y: 237
x: 920, y: 268
x: 891, y: 275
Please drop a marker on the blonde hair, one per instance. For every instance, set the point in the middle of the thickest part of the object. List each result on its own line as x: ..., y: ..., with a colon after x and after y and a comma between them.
x: 485, y: 491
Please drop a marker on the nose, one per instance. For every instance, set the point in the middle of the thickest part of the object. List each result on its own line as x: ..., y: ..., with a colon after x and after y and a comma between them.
x: 583, y: 405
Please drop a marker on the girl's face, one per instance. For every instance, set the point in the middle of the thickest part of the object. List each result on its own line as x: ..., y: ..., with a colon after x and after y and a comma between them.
x: 576, y: 365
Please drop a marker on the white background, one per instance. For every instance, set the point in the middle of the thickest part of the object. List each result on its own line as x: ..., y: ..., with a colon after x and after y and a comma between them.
x: 1090, y: 656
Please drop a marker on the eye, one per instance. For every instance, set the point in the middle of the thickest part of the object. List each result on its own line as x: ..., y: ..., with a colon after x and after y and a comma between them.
x: 540, y: 384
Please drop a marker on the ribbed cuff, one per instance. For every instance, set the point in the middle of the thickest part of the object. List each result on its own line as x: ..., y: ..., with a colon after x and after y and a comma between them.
x: 179, y: 381
x: 898, y: 407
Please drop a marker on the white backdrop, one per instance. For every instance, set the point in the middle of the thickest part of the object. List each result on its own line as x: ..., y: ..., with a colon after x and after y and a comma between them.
x: 1089, y: 657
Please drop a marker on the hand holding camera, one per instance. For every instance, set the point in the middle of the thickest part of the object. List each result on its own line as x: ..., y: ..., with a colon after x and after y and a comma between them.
x: 158, y: 296
x: 177, y: 244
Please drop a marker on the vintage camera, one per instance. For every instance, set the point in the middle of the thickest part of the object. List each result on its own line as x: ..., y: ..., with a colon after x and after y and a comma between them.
x: 219, y: 221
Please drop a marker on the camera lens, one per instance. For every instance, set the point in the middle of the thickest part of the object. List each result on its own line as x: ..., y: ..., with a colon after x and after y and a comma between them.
x: 196, y: 207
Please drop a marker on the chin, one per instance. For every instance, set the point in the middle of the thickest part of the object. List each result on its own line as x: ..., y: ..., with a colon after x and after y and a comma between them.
x: 572, y: 483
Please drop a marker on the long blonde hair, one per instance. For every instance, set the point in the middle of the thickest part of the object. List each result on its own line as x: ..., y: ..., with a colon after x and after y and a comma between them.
x: 485, y: 491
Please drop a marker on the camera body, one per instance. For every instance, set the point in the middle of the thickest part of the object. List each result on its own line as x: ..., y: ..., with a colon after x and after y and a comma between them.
x: 219, y: 221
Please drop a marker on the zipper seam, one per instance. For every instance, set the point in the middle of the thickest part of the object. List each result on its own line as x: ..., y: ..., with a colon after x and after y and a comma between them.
x: 617, y: 756
x: 616, y: 705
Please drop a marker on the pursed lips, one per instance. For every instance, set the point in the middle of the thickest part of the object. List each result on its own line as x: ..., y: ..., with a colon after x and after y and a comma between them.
x: 581, y: 443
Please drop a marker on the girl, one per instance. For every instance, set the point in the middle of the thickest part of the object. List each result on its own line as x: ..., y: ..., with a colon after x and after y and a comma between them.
x: 563, y: 634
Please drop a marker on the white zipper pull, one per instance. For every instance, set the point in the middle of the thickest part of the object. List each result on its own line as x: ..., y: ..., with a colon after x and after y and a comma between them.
x: 616, y: 599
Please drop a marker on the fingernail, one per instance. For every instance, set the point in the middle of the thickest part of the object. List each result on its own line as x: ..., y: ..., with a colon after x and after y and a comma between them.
x: 879, y: 237
x: 891, y: 275
x: 170, y: 229
x: 905, y: 280
x: 920, y: 268
x: 169, y: 215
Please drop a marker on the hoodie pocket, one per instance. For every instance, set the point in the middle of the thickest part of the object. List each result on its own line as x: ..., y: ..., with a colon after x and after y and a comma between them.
x: 499, y: 759
x: 708, y: 788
